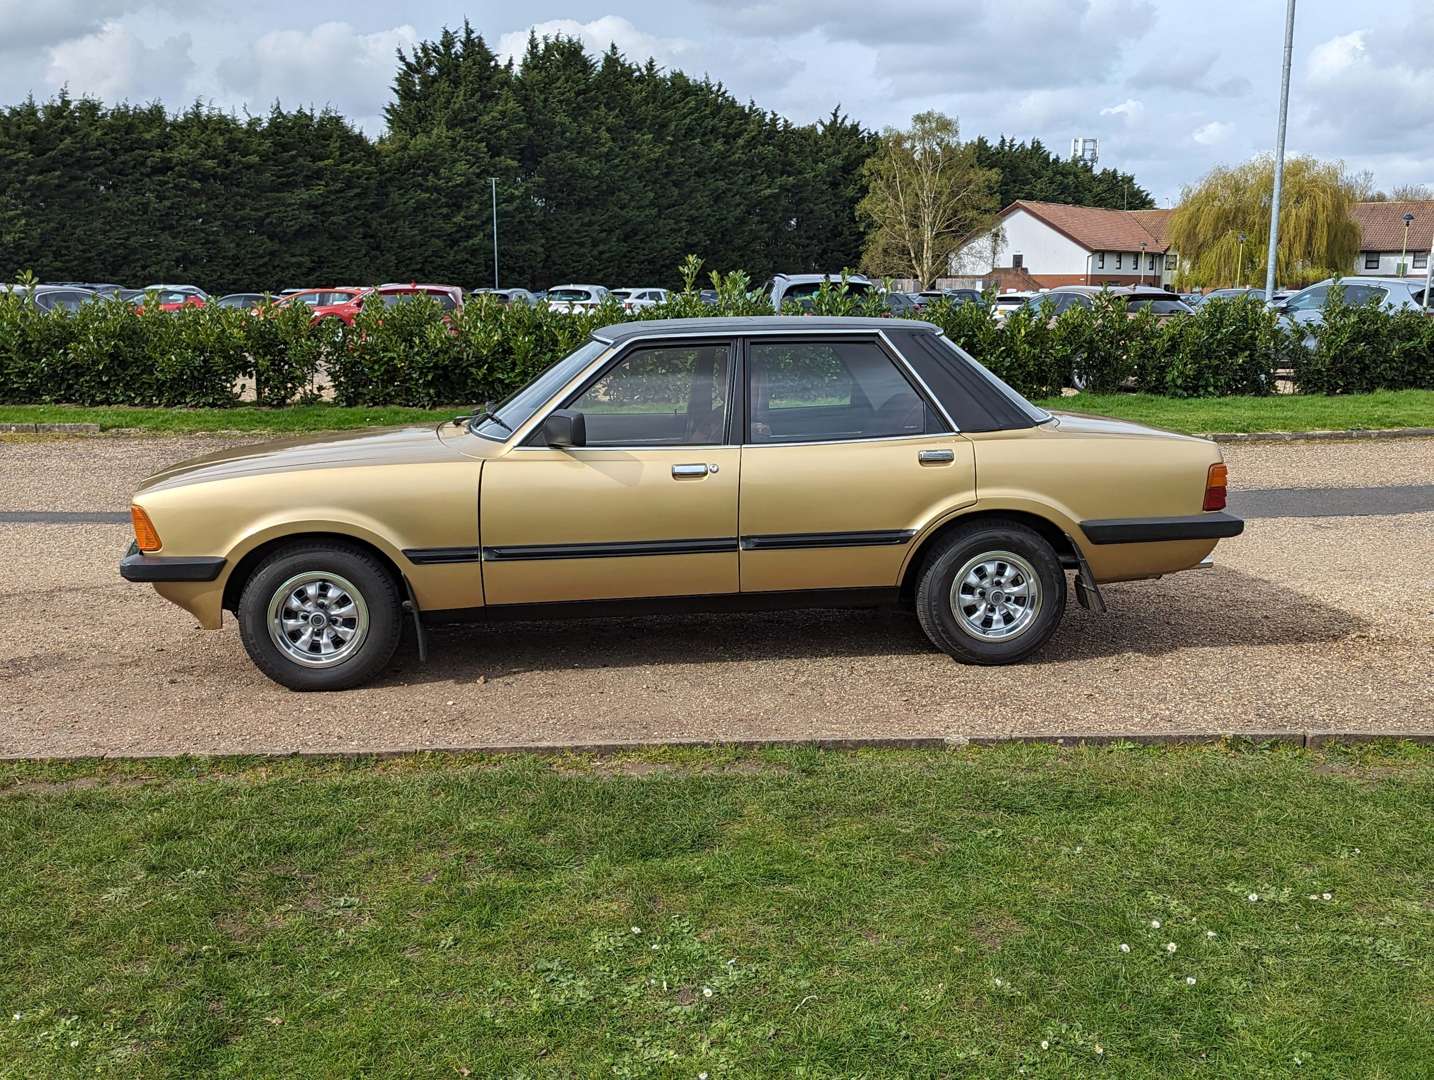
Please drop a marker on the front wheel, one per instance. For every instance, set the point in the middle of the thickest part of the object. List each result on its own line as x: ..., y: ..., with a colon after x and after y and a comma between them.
x: 993, y: 592
x: 320, y: 616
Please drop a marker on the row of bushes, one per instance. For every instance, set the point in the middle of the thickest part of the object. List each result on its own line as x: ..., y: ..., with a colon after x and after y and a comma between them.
x: 415, y: 354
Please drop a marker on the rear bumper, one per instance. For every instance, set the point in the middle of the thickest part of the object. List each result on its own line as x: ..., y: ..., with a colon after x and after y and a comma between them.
x: 136, y: 566
x: 1207, y: 526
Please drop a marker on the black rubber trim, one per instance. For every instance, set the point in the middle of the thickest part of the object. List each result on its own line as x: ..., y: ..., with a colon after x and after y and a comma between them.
x: 137, y: 566
x: 1206, y: 526
x: 780, y: 600
x: 792, y: 541
x: 427, y: 556
x: 610, y: 550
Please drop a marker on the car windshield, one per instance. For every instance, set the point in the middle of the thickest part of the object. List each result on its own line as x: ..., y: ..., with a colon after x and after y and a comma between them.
x: 443, y: 300
x: 569, y: 295
x: 515, y: 410
x: 1157, y: 305
x: 811, y: 288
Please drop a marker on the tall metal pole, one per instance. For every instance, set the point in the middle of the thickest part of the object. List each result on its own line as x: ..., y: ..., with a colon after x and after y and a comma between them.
x: 1280, y: 153
x: 1404, y: 248
x: 1429, y: 279
x: 494, y: 181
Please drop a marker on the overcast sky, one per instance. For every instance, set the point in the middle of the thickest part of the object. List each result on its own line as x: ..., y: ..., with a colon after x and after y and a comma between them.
x: 1170, y: 89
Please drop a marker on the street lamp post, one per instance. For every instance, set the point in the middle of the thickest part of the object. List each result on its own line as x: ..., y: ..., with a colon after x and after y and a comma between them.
x: 1240, y: 264
x: 1141, y: 257
x: 1280, y: 153
x: 494, y: 181
x: 1404, y: 247
x: 1089, y: 259
x: 1429, y: 279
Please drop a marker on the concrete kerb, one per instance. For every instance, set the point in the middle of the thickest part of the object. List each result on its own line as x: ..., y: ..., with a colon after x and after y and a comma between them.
x: 63, y: 429
x: 1300, y: 739
x: 1346, y: 435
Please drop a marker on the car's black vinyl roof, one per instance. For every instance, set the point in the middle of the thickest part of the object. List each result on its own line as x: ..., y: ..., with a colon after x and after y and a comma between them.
x: 753, y: 324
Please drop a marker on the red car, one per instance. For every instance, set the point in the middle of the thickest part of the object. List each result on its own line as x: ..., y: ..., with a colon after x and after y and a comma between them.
x: 345, y: 302
x: 340, y: 302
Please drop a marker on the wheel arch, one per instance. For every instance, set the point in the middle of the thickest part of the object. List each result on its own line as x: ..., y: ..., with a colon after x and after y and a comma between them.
x: 1049, y: 529
x: 244, y: 568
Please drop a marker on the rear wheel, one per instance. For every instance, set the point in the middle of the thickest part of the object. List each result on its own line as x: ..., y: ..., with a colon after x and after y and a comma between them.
x: 993, y: 592
x: 320, y: 616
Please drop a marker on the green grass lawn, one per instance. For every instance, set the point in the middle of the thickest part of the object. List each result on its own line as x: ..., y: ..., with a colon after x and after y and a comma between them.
x: 1385, y: 409
x: 680, y: 913
x: 1284, y: 412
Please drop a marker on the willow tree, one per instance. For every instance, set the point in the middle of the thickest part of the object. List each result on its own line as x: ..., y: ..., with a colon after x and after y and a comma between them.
x: 1319, y: 237
x: 925, y: 193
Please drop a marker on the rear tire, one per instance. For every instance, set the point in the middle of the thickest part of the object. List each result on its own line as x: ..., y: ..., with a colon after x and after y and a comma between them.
x: 320, y: 616
x: 992, y: 592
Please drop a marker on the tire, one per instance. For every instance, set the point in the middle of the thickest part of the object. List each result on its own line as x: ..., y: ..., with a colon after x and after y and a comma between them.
x: 329, y: 589
x: 1029, y: 580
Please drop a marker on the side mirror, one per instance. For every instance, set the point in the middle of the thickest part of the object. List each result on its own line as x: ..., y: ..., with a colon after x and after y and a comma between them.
x: 565, y: 428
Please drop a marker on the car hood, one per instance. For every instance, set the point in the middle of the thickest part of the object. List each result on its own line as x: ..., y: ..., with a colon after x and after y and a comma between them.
x: 1085, y: 424
x: 383, y: 446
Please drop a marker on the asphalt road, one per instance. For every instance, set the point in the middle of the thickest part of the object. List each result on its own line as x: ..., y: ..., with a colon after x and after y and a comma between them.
x: 1320, y: 616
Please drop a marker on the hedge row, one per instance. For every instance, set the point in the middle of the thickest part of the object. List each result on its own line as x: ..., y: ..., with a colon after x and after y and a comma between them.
x: 415, y: 354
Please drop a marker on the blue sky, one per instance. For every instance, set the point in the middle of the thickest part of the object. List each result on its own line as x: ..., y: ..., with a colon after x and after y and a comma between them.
x: 1170, y: 89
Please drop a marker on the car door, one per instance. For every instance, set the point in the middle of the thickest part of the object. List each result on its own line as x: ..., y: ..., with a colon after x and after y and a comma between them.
x: 647, y: 508
x: 845, y: 459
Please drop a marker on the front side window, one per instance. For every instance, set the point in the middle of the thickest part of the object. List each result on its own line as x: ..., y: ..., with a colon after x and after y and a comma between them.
x: 819, y: 391
x: 665, y: 395
x: 1309, y: 300
x: 1355, y: 295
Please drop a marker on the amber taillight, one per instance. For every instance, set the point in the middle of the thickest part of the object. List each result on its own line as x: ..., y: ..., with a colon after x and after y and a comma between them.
x: 1215, y: 487
x: 145, y: 536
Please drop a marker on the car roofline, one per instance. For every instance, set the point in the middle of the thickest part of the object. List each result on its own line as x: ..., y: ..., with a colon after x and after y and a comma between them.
x: 744, y: 326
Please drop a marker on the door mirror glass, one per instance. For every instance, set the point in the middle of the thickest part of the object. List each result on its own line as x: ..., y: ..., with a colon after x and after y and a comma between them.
x: 565, y: 428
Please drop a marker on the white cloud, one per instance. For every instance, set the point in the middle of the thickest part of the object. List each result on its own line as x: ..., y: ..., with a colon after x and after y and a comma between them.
x: 115, y: 64
x: 1130, y: 110
x: 330, y: 64
x: 1216, y: 131
x: 1372, y: 90
x: 598, y: 36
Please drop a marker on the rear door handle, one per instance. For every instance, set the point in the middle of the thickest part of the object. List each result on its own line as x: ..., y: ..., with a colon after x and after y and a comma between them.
x: 681, y: 471
x: 935, y: 457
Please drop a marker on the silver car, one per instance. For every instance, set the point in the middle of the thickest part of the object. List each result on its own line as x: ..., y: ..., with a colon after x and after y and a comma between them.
x: 803, y: 288
x: 51, y: 297
x: 1306, y: 307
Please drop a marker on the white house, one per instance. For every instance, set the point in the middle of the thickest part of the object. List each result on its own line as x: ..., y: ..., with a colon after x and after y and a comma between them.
x: 1039, y: 245
x: 1384, y: 237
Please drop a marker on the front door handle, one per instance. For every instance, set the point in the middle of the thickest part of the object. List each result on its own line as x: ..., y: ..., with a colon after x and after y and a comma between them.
x: 681, y: 471
x: 936, y: 457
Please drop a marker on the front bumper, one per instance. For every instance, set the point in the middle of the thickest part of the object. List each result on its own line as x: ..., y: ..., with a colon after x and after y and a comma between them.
x: 137, y: 566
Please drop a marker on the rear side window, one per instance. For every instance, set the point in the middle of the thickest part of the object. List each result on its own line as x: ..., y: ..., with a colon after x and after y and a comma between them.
x: 1355, y: 295
x: 820, y: 391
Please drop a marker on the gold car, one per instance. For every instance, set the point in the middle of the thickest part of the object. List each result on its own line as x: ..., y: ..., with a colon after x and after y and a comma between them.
x: 703, y: 463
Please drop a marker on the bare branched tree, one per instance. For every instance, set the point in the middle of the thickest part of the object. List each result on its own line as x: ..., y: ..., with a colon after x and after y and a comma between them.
x: 925, y: 196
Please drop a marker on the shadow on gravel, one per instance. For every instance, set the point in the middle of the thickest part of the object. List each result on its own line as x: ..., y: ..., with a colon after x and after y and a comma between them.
x: 1201, y: 609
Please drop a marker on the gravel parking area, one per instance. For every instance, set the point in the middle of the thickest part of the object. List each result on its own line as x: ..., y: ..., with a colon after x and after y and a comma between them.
x: 1305, y: 623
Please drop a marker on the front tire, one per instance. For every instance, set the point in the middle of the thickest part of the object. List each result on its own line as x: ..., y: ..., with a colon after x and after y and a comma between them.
x: 993, y: 592
x: 320, y: 616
